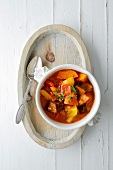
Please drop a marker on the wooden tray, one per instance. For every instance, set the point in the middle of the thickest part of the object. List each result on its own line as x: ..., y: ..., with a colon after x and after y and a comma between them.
x: 68, y: 47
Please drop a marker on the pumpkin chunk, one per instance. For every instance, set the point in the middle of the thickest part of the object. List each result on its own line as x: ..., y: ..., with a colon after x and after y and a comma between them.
x: 82, y: 77
x: 65, y: 74
x: 53, y: 89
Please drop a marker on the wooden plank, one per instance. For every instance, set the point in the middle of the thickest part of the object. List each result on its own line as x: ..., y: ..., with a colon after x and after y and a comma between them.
x: 94, y: 33
x: 38, y: 14
x: 110, y: 84
x: 18, y: 21
x: 67, y: 13
x: 69, y: 158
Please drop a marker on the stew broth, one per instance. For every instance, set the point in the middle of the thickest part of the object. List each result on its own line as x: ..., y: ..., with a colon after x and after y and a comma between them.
x: 67, y: 96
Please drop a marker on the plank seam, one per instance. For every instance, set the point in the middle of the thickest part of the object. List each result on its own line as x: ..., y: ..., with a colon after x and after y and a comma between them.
x: 108, y: 149
x: 53, y: 11
x: 55, y: 161
x: 107, y: 3
x: 55, y: 152
x: 81, y: 152
x: 80, y: 17
x: 107, y: 42
x: 26, y: 17
x: 80, y: 30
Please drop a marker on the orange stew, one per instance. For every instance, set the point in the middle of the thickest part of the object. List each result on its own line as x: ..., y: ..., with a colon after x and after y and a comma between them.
x: 67, y: 96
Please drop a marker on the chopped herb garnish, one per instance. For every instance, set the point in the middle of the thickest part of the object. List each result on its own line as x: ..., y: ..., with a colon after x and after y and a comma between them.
x: 73, y: 89
x: 55, y: 93
x: 63, y: 93
x: 70, y: 96
x: 67, y: 113
x: 61, y: 97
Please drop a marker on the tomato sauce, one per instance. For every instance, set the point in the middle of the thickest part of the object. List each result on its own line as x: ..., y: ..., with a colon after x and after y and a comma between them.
x: 67, y: 96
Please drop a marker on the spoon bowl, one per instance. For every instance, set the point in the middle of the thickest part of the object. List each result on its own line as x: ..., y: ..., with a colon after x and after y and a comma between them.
x: 31, y: 67
x: 27, y: 97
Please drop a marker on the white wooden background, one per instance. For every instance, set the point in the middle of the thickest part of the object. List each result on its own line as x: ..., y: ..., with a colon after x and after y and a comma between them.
x: 93, y: 19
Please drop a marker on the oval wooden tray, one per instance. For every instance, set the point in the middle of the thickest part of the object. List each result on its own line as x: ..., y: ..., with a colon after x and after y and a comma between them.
x: 68, y: 47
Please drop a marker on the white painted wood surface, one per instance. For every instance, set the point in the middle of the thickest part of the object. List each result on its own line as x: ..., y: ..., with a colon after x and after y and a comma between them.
x: 18, y: 21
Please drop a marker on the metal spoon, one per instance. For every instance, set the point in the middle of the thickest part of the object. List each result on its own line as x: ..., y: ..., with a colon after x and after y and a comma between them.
x: 35, y: 62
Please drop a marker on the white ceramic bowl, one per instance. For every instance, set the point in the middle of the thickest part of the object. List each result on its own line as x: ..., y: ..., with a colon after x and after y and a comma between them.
x: 92, y: 112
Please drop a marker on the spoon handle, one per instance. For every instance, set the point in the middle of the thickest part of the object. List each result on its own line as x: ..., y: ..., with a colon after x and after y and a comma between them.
x: 26, y: 99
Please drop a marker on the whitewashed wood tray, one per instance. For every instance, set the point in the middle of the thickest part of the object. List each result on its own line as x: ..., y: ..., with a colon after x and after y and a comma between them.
x: 67, y: 47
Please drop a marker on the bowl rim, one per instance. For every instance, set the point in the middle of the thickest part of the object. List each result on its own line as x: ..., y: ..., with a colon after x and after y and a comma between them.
x: 92, y: 112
